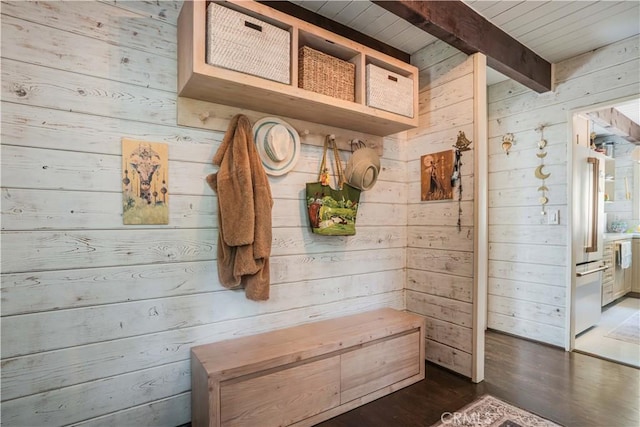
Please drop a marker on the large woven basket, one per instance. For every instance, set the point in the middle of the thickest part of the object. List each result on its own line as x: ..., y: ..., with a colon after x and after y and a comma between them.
x: 389, y: 91
x: 242, y: 43
x: 326, y: 74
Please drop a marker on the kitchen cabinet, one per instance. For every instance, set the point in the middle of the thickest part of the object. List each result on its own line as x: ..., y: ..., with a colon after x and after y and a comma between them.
x: 622, y: 278
x: 622, y: 282
x: 581, y: 130
x: 609, y: 257
x: 199, y: 80
x: 308, y: 373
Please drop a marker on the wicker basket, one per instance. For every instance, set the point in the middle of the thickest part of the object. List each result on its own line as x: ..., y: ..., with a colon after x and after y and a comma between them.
x: 325, y: 74
x: 242, y: 43
x: 389, y: 91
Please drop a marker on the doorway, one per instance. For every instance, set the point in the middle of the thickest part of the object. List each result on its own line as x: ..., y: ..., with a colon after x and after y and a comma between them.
x: 611, y: 338
x: 611, y: 330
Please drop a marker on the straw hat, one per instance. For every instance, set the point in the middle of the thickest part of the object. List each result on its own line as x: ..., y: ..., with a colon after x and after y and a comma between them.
x: 278, y: 145
x: 363, y: 168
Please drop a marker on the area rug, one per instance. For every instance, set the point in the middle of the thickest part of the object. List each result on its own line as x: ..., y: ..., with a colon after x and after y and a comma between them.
x: 488, y: 411
x: 628, y: 331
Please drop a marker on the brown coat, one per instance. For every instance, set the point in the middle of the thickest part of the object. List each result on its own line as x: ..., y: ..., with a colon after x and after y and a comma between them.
x: 244, y: 212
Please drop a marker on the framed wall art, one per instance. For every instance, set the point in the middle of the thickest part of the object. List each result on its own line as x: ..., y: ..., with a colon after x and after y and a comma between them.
x: 145, y: 182
x: 436, y: 172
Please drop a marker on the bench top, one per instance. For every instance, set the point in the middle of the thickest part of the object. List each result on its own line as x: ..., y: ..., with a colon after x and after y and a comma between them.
x: 245, y: 355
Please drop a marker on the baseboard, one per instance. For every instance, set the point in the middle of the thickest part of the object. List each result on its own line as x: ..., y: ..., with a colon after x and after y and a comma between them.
x: 546, y: 344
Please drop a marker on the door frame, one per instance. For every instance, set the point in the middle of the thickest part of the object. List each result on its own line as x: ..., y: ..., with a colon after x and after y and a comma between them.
x: 481, y: 215
x: 570, y: 338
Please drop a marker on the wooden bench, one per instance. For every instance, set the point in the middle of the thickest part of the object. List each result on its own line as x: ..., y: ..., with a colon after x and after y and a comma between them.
x: 306, y: 374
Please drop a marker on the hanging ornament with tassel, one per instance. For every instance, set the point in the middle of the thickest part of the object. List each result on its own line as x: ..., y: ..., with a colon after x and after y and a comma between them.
x: 462, y: 144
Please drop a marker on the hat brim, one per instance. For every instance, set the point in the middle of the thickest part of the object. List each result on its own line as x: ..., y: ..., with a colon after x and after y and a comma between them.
x: 363, y: 169
x: 271, y: 167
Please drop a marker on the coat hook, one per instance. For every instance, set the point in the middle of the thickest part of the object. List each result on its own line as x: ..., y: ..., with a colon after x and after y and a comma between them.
x: 204, y: 116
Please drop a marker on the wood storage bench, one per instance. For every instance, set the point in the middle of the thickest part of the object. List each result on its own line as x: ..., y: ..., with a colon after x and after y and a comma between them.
x: 308, y: 373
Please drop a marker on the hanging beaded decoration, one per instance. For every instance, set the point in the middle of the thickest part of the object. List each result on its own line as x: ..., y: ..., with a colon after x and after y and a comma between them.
x: 539, y: 172
x: 462, y: 144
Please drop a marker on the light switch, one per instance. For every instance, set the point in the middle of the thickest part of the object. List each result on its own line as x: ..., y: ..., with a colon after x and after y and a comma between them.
x: 553, y: 217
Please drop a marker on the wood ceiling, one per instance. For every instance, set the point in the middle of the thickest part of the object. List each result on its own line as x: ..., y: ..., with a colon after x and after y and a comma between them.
x: 555, y: 30
x: 463, y: 28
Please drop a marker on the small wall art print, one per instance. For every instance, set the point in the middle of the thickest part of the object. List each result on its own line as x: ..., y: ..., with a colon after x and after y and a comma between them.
x: 145, y: 182
x: 436, y: 170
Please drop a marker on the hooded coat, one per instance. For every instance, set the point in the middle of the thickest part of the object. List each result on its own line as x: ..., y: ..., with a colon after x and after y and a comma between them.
x: 244, y: 212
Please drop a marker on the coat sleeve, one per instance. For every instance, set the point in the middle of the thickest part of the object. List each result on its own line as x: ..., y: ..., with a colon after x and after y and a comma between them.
x: 235, y: 188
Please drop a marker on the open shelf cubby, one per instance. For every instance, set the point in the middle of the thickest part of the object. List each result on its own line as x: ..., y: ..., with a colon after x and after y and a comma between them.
x: 205, y: 82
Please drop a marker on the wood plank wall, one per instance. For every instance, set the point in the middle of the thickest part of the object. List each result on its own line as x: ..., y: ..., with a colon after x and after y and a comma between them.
x: 439, y: 257
x: 98, y: 318
x: 528, y: 264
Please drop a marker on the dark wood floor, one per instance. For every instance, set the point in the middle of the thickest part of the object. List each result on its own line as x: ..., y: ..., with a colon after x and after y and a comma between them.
x: 568, y: 388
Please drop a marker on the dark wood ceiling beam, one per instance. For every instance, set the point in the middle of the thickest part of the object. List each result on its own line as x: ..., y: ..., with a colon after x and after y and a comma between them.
x: 460, y: 26
x: 337, y: 28
x: 616, y: 123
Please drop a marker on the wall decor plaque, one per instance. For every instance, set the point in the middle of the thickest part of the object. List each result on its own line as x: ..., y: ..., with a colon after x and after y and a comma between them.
x: 145, y: 182
x: 436, y: 170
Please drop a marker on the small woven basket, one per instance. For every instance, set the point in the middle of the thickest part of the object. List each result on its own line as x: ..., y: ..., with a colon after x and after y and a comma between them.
x: 242, y: 43
x: 389, y: 91
x: 326, y: 74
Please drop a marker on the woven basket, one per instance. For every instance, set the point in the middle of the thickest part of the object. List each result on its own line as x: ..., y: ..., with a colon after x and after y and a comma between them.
x: 325, y: 74
x: 242, y: 43
x: 389, y: 91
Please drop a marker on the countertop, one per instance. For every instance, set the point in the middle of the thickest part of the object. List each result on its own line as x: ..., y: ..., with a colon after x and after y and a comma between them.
x: 609, y: 237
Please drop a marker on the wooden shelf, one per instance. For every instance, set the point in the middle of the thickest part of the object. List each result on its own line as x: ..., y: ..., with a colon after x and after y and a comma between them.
x: 201, y: 81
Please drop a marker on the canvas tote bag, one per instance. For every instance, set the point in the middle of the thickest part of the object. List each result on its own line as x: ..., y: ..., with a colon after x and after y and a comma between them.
x: 332, y: 212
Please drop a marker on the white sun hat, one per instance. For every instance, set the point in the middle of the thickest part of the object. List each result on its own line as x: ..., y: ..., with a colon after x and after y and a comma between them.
x: 278, y: 145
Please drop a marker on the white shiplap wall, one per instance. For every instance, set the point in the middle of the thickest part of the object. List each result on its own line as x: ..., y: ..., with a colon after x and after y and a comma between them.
x: 440, y: 259
x: 98, y: 318
x: 528, y: 264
